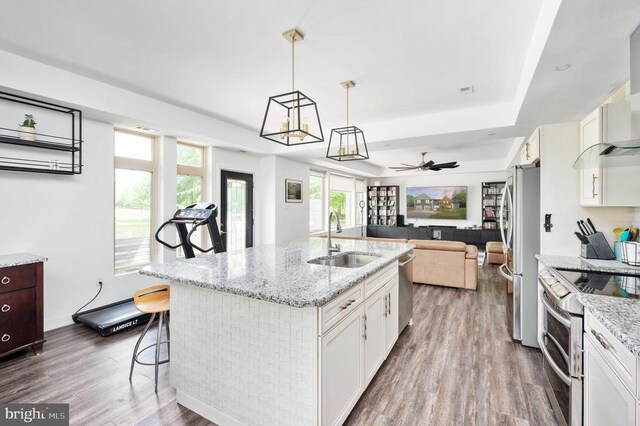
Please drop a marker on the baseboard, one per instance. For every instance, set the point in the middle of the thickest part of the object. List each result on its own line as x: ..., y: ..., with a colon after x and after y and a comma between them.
x: 53, y: 323
x: 205, y: 410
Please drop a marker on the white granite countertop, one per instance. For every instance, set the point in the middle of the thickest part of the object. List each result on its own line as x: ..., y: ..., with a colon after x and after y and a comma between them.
x: 17, y: 259
x: 280, y: 273
x: 577, y: 263
x: 620, y: 316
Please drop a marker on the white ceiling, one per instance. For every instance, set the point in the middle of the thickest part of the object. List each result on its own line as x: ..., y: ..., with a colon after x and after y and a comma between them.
x: 408, y: 58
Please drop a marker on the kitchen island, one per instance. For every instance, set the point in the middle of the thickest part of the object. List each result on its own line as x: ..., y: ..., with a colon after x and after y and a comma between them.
x: 261, y: 336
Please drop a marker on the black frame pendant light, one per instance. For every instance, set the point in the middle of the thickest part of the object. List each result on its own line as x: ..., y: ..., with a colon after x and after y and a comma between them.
x: 292, y: 118
x: 349, y: 144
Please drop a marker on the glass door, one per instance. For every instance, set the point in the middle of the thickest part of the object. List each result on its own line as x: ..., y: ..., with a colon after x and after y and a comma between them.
x: 236, y: 210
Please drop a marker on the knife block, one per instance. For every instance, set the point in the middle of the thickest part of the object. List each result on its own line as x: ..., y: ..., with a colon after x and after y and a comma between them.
x: 597, y: 248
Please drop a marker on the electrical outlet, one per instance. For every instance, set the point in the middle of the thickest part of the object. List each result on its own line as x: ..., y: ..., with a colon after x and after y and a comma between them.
x: 99, y: 282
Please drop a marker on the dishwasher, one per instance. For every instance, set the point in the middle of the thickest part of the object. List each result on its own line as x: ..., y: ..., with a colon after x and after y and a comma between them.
x: 405, y: 290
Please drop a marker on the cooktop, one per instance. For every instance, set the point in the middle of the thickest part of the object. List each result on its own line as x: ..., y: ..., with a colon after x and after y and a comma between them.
x: 602, y: 283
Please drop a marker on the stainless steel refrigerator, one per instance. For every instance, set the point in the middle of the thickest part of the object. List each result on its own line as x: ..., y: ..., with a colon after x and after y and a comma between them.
x: 520, y: 229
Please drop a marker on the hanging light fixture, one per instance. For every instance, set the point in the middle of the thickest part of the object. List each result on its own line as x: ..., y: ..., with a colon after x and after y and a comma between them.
x: 292, y: 118
x: 349, y: 144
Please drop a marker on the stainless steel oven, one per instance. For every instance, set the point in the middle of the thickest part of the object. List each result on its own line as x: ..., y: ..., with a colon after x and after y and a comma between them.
x: 560, y: 330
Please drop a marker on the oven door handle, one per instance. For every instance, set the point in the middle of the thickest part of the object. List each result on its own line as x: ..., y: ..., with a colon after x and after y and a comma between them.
x: 563, y: 376
x: 559, y: 348
x: 554, y: 312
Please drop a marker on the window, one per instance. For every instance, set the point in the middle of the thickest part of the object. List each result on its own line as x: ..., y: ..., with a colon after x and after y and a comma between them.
x: 316, y: 201
x: 133, y: 178
x: 190, y: 183
x: 360, y: 190
x: 341, y: 198
x: 191, y: 174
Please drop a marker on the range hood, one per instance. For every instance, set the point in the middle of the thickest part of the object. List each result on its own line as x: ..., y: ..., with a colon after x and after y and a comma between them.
x: 623, y: 153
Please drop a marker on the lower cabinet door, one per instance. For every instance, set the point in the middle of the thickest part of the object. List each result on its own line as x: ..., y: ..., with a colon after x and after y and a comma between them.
x: 374, y: 328
x: 342, y: 375
x: 391, y: 316
x: 606, y: 400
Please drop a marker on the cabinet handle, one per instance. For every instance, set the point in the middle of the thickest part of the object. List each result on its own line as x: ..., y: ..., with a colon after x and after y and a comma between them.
x: 385, y: 305
x: 5, y: 308
x: 5, y: 338
x: 347, y: 304
x: 600, y: 338
x: 389, y: 299
x: 365, y: 326
x: 593, y: 185
x: 527, y: 150
x: 5, y: 280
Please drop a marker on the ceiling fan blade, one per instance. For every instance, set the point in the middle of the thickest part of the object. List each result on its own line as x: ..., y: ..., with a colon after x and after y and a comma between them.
x: 453, y: 166
x: 435, y: 169
x: 403, y: 168
x: 449, y: 164
x: 409, y: 165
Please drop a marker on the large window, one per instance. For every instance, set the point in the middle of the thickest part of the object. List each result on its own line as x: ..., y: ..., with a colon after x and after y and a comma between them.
x: 341, y: 199
x: 190, y: 184
x: 316, y: 201
x: 191, y: 174
x: 134, y: 187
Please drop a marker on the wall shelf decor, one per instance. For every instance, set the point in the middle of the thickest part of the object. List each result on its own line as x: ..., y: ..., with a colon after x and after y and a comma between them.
x: 491, y: 196
x: 43, y: 152
x: 383, y: 205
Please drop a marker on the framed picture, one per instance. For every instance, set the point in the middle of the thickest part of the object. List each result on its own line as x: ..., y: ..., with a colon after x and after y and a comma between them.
x: 293, y: 191
x: 442, y: 202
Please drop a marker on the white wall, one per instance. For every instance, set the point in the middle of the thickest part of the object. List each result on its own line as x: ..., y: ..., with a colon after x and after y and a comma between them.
x: 473, y: 182
x: 560, y: 194
x: 292, y: 219
x: 68, y: 219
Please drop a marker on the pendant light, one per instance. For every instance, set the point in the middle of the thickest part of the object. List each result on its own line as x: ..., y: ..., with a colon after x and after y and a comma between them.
x: 349, y: 143
x: 292, y: 118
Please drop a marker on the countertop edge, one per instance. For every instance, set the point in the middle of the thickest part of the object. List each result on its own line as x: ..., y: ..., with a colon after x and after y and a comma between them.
x: 20, y: 259
x: 366, y: 270
x: 609, y: 324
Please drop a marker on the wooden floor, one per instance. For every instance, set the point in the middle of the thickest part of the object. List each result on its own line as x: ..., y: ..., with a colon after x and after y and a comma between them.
x: 455, y: 365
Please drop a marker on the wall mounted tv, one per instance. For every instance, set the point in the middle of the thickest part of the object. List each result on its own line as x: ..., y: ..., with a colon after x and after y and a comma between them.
x: 437, y: 202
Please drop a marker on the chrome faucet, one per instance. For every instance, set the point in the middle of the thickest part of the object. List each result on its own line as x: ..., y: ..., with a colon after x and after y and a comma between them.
x: 331, y: 247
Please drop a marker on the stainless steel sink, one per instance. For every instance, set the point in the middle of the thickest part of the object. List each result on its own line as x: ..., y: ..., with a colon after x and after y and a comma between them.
x: 345, y: 260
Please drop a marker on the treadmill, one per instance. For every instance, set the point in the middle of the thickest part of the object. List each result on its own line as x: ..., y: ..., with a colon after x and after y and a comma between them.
x: 123, y: 315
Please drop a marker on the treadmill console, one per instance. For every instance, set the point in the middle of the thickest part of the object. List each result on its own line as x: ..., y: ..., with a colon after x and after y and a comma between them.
x: 196, y: 212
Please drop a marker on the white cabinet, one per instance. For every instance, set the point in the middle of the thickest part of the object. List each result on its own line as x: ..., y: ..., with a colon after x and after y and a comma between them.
x: 606, y: 399
x: 530, y: 152
x: 355, y: 338
x: 391, y: 314
x: 342, y: 376
x: 610, y: 186
x: 591, y: 179
x: 374, y: 334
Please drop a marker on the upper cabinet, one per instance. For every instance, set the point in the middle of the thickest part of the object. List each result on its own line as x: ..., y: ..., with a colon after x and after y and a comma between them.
x: 530, y: 152
x: 612, y: 186
x: 591, y: 179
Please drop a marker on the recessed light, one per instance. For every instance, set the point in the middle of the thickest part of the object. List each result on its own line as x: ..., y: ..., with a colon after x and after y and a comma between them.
x: 146, y: 129
x: 242, y: 151
x: 492, y: 134
x: 467, y: 90
x: 562, y: 67
x: 388, y: 144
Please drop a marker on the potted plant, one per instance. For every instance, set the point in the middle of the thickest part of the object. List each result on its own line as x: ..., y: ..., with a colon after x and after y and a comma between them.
x: 28, y: 128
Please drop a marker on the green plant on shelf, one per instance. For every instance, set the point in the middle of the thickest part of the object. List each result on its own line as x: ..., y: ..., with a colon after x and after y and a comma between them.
x: 29, y: 121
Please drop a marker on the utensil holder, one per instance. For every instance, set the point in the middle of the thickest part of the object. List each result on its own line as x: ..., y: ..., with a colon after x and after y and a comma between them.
x: 597, y: 248
x: 631, y: 253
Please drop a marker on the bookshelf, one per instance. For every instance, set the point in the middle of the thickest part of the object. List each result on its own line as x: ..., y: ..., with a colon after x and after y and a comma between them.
x: 491, y: 197
x: 382, y: 202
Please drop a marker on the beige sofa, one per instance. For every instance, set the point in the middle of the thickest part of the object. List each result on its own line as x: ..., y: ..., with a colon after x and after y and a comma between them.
x: 445, y: 263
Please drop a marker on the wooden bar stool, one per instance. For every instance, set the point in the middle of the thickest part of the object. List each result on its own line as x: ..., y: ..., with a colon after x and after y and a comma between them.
x: 152, y: 300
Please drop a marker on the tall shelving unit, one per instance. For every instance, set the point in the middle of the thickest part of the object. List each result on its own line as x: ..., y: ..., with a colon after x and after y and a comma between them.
x: 383, y: 205
x: 491, y: 196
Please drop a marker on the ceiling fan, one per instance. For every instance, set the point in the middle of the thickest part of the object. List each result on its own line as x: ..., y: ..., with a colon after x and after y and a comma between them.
x: 426, y: 165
